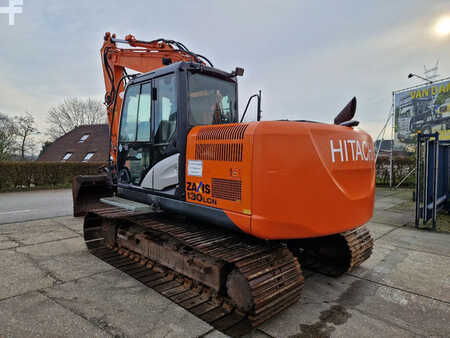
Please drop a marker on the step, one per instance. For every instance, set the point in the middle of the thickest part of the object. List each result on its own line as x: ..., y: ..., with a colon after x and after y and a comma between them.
x: 127, y: 204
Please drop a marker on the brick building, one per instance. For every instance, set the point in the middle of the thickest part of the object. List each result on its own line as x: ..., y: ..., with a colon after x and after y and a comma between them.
x: 82, y: 144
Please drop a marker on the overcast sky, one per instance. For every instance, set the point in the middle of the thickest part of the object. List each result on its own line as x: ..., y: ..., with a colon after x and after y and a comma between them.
x: 308, y: 57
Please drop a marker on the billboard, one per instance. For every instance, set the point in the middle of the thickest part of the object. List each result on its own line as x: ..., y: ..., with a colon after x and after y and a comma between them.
x: 425, y: 108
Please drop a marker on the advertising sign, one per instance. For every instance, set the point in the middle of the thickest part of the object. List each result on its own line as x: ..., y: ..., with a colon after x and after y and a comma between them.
x: 425, y: 108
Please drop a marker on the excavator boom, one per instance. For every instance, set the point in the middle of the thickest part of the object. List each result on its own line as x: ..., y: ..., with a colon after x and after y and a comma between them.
x: 139, y: 56
x: 143, y: 57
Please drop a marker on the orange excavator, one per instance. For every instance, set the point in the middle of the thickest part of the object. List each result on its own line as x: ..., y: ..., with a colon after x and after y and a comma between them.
x: 216, y: 214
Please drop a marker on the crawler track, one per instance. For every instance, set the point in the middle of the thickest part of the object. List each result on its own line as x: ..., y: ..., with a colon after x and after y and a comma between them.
x: 360, y: 244
x: 269, y: 273
x: 334, y: 255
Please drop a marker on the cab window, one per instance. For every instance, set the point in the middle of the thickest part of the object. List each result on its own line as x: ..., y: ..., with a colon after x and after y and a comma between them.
x: 212, y: 100
x: 143, y: 132
x: 128, y: 125
x: 165, y: 108
x: 136, y: 114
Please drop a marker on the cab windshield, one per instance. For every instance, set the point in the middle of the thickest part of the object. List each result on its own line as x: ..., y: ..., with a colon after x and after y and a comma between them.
x: 212, y: 100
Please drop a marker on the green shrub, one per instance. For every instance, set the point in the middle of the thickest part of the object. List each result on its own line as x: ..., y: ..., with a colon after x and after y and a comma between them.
x: 26, y: 175
x: 401, y: 167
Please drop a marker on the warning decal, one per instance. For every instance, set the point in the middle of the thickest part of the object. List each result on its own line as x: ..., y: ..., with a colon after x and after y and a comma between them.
x: 195, y: 168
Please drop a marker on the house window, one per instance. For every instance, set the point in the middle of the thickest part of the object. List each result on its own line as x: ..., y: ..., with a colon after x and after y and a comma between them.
x: 66, y: 156
x: 83, y: 138
x: 88, y: 157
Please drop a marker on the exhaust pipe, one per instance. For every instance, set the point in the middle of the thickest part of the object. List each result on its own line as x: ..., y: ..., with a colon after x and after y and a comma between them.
x: 347, y: 113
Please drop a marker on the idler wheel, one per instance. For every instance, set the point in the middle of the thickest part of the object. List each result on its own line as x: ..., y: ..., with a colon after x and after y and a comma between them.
x: 239, y: 291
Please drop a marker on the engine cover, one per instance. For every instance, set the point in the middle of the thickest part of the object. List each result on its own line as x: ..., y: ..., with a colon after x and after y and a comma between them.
x: 283, y: 179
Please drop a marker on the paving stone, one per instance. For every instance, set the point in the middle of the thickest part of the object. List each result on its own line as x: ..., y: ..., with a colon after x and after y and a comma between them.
x: 388, y: 202
x: 73, y: 223
x: 257, y: 333
x: 381, y: 205
x: 7, y: 243
x: 392, y: 217
x: 216, y: 334
x: 383, y: 192
x: 415, y: 271
x: 54, y: 248
x: 20, y: 274
x: 66, y: 259
x: 126, y: 307
x: 34, y: 315
x: 400, y: 291
x: 35, y: 232
x: 74, y: 265
x: 352, y: 307
x: 378, y: 230
x: 403, y: 193
x: 433, y: 242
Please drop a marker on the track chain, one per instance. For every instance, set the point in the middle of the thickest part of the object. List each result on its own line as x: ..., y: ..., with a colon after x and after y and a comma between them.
x: 273, y: 273
x: 336, y: 254
x: 360, y: 244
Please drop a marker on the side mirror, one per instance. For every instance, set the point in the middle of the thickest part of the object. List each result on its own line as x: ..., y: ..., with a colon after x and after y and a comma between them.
x: 238, y: 71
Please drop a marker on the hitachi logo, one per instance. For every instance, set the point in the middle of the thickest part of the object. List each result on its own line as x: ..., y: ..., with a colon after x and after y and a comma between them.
x: 350, y: 150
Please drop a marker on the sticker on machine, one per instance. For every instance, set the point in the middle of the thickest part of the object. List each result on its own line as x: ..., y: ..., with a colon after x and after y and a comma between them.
x: 195, y: 168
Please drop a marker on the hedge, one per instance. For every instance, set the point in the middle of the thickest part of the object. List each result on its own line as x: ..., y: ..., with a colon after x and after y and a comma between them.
x: 28, y: 175
x: 401, y: 167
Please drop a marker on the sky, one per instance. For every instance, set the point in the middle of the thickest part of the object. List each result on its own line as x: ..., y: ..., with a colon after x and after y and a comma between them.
x: 309, y: 58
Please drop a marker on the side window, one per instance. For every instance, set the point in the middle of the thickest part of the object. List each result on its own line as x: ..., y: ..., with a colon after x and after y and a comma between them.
x: 143, y: 134
x: 129, y: 115
x: 165, y: 108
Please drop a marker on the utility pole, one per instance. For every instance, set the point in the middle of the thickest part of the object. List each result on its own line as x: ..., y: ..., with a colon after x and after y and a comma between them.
x: 431, y: 73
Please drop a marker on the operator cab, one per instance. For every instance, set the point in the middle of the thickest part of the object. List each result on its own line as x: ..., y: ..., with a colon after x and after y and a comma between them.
x: 158, y: 111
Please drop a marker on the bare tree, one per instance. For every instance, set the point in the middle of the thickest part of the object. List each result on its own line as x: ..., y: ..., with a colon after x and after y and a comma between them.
x: 25, y: 128
x: 8, y: 134
x: 44, y: 147
x: 74, y: 112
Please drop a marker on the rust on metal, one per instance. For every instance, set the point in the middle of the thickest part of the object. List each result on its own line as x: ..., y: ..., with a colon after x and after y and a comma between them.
x: 87, y: 191
x: 337, y: 254
x: 229, y: 280
x: 232, y: 281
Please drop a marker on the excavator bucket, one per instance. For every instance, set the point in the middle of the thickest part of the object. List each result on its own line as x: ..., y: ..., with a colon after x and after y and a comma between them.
x: 87, y: 191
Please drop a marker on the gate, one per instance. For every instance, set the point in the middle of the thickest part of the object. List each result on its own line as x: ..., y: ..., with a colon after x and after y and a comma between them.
x: 431, y: 177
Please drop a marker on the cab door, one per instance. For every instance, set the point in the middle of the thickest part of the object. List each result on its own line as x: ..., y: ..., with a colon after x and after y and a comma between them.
x: 164, y: 173
x: 148, y: 157
x: 135, y: 142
